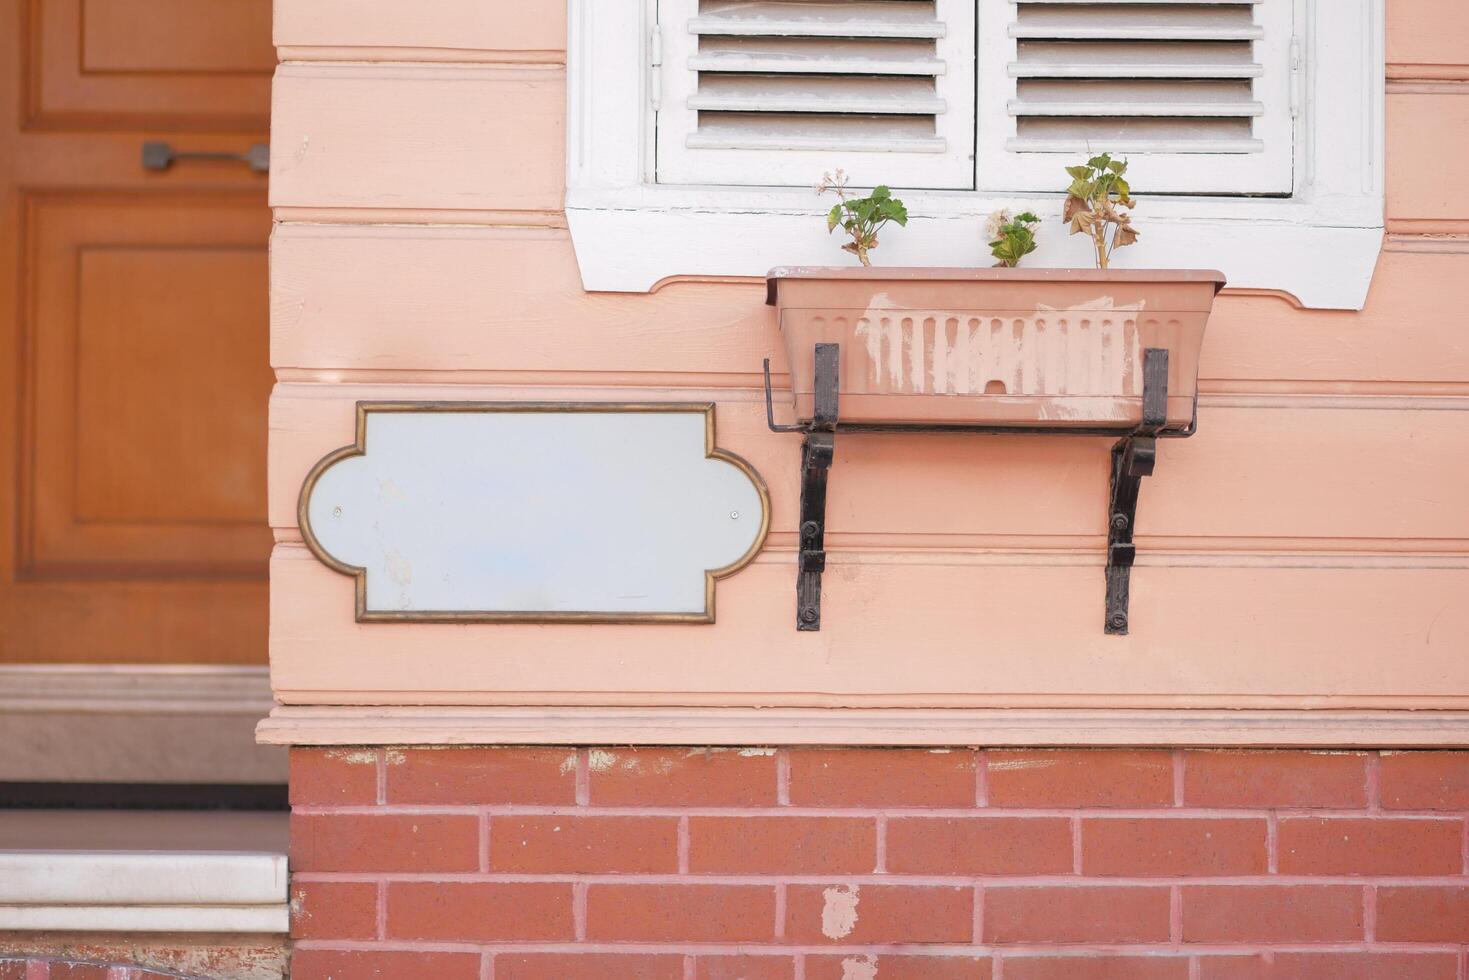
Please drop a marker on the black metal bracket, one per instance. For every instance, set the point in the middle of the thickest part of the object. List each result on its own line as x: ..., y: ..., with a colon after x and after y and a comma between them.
x: 818, y: 450
x: 1133, y: 457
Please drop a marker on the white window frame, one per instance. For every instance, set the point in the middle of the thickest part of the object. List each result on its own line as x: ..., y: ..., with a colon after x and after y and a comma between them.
x: 1319, y: 245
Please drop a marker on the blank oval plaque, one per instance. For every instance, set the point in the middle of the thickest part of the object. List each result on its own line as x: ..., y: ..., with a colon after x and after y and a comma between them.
x: 534, y: 512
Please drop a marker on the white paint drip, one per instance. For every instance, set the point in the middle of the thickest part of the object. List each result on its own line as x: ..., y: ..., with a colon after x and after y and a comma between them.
x: 1009, y: 764
x: 839, y: 911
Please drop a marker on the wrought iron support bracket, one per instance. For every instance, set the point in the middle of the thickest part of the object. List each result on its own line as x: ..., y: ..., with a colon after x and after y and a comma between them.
x: 1133, y: 458
x: 818, y: 450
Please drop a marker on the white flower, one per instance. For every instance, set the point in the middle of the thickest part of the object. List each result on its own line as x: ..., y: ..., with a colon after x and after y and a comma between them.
x: 996, y: 221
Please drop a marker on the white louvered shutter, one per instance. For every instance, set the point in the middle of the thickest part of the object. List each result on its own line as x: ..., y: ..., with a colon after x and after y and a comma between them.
x: 1197, y: 94
x: 774, y: 92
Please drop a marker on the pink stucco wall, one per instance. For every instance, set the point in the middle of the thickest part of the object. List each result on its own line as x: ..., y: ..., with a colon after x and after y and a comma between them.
x: 1308, y: 548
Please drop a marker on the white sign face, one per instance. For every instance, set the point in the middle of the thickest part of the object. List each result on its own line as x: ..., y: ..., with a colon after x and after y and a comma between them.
x: 530, y: 512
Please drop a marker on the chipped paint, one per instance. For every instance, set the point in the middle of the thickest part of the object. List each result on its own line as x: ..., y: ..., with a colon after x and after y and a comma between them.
x: 601, y: 760
x: 388, y: 490
x: 568, y: 764
x: 396, y: 757
x: 353, y: 757
x: 859, y: 968
x: 1009, y: 764
x: 839, y: 911
x: 756, y: 753
x: 399, y: 569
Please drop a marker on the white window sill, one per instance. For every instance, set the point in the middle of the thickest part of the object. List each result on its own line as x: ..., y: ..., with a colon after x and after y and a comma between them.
x: 629, y: 239
x: 142, y: 871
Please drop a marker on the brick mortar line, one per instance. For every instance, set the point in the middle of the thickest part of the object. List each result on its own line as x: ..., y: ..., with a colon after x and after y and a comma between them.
x: 484, y: 842
x: 382, y: 908
x: 919, y: 880
x: 1272, y: 843
x: 880, y: 845
x: 1013, y: 951
x: 854, y: 813
x: 579, y: 910
x: 582, y: 791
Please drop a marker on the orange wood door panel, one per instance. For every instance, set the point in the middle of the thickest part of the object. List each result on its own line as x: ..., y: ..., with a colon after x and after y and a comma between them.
x: 133, y: 333
x: 203, y: 64
x: 148, y: 378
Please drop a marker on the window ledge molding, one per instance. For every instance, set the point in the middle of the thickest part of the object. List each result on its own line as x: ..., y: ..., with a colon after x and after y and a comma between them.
x: 1259, y: 244
x: 1235, y: 727
x: 1320, y: 245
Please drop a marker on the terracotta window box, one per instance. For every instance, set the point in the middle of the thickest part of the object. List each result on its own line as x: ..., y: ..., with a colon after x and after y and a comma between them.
x: 1000, y: 347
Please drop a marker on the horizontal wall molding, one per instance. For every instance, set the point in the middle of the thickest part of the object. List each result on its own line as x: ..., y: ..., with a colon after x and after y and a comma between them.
x: 135, y: 723
x: 1403, y: 78
x: 1442, y: 237
x: 308, y: 28
x: 735, y: 381
x: 134, y: 689
x: 856, y: 726
x: 158, y: 887
x: 390, y: 53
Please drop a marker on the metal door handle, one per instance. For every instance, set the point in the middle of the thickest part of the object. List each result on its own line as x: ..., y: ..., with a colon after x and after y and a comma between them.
x: 160, y: 156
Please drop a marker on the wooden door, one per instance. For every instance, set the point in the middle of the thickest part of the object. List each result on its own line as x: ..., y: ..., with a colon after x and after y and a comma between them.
x: 134, y: 368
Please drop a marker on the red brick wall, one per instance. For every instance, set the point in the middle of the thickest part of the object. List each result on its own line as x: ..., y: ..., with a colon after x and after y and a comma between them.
x: 860, y: 864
